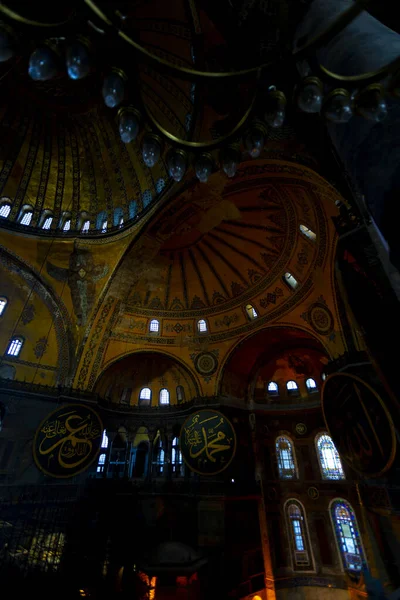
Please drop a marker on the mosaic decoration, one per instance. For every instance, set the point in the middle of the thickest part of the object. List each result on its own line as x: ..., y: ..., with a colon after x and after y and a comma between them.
x: 67, y: 441
x: 28, y: 314
x: 271, y: 297
x: 227, y: 320
x: 348, y: 536
x: 319, y: 317
x: 177, y: 328
x: 40, y: 347
x: 206, y: 363
x: 208, y: 442
x: 81, y: 276
x: 359, y: 423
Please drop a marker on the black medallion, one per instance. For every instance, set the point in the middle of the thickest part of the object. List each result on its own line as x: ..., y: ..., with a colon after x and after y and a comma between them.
x: 67, y: 441
x: 208, y: 442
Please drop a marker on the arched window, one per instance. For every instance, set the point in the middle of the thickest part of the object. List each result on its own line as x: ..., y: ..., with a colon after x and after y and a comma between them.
x: 308, y: 233
x: 67, y: 225
x: 26, y: 216
x: 118, y: 219
x: 85, y: 226
x: 160, y: 185
x: 176, y: 457
x: 329, y: 460
x: 202, y: 326
x: 159, y: 455
x: 147, y: 197
x: 347, y: 535
x: 14, y: 347
x: 286, y: 459
x: 3, y: 304
x: 298, y: 534
x: 104, y: 226
x: 154, y: 326
x: 273, y: 388
x: 311, y: 385
x: 164, y: 396
x: 101, y: 463
x: 5, y: 209
x: 104, y: 440
x: 290, y: 280
x: 145, y: 396
x: 251, y: 312
x: 292, y: 387
x: 133, y: 209
x: 47, y: 221
x: 180, y: 394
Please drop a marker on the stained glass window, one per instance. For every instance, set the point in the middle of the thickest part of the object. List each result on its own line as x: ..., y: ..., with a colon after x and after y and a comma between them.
x: 329, y: 460
x: 286, y: 460
x: 298, y: 533
x: 347, y: 535
x: 3, y: 304
x: 164, y: 396
x: 5, y: 210
x: 251, y: 312
x: 202, y: 326
x: 176, y: 456
x: 14, y: 347
x: 273, y: 388
x: 154, y: 326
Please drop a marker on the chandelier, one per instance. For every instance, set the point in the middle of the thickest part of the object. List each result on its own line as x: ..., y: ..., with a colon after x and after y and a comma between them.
x: 75, y: 43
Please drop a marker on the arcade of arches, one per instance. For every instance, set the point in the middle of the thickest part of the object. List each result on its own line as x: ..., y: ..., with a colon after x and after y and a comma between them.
x: 228, y: 296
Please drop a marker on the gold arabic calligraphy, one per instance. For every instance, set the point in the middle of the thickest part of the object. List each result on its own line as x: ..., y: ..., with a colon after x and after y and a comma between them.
x: 77, y: 434
x: 209, y: 440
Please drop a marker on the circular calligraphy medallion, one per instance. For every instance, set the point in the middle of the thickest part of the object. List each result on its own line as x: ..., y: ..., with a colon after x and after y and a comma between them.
x: 67, y: 441
x: 313, y: 493
x: 206, y: 363
x: 208, y: 442
x: 359, y: 424
x: 321, y: 319
x: 301, y: 428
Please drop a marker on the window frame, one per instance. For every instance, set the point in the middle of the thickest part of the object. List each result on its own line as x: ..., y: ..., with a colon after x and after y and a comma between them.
x: 295, y: 391
x: 281, y: 474
x: 15, y: 338
x: 311, y: 389
x: 25, y: 210
x: 307, y: 232
x: 157, y: 331
x: 272, y: 392
x: 200, y: 324
x: 141, y: 400
x: 353, y: 517
x: 176, y: 456
x: 5, y: 201
x: 286, y: 279
x: 251, y: 312
x: 159, y: 397
x: 4, y: 308
x: 297, y: 565
x: 325, y: 476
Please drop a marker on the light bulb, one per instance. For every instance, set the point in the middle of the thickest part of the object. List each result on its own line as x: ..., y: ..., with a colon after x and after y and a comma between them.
x: 113, y: 90
x: 309, y: 96
x: 254, y: 142
x: 275, y: 108
x: 177, y: 164
x: 151, y: 150
x: 337, y: 106
x: 203, y: 167
x: 230, y: 161
x: 78, y: 62
x: 371, y: 103
x: 6, y: 45
x: 42, y: 64
x: 128, y: 125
